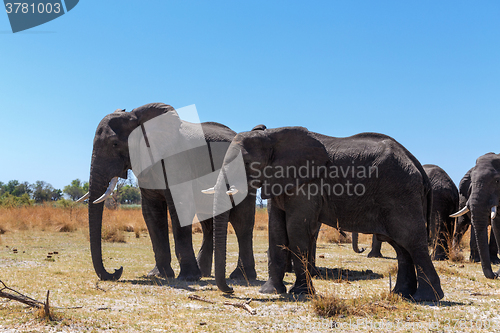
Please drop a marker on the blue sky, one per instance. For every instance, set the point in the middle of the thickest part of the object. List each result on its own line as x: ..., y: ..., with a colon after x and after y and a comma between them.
x: 424, y: 72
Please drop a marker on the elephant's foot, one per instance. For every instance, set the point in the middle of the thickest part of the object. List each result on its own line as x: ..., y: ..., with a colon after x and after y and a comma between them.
x: 162, y: 272
x: 495, y: 260
x: 243, y: 274
x: 302, y: 288
x: 205, y: 269
x: 270, y: 288
x: 189, y: 273
x: 374, y: 254
x: 426, y: 292
x: 183, y: 276
x: 406, y: 288
x: 474, y: 259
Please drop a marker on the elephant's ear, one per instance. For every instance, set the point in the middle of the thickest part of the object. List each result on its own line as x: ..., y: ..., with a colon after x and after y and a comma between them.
x: 123, y: 123
x: 297, y: 158
x: 464, y: 187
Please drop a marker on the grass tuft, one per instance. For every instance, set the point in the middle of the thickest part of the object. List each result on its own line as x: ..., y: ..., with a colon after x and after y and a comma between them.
x: 112, y: 234
x: 329, y: 234
x: 331, y: 305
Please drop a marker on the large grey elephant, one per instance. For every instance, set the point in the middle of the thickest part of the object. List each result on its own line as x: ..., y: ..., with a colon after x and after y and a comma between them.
x: 366, y: 183
x: 111, y: 159
x: 441, y: 226
x: 479, y: 197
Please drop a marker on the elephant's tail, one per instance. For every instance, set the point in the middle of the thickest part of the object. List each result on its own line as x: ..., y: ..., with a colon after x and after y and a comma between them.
x: 428, y: 195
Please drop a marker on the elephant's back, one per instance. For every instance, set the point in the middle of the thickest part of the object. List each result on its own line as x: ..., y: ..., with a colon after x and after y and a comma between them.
x: 216, y: 132
x: 443, y: 188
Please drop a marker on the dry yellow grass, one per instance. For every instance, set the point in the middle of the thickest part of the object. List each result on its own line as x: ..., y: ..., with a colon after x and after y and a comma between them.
x: 352, y: 288
x: 69, y: 219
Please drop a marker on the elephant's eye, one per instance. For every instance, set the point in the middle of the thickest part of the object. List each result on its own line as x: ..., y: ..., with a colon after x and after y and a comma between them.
x: 115, y: 145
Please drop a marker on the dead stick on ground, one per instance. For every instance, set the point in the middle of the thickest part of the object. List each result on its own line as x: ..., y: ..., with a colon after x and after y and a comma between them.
x: 17, y: 296
x: 243, y: 305
x: 46, y: 307
x: 199, y: 298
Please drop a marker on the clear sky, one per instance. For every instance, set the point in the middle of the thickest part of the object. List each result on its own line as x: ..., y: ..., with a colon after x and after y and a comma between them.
x: 424, y: 72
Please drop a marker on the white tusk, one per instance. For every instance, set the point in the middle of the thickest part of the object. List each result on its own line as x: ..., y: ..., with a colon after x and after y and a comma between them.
x: 85, y: 197
x: 461, y: 212
x: 232, y: 190
x: 111, y: 188
x: 208, y: 191
x: 493, y: 212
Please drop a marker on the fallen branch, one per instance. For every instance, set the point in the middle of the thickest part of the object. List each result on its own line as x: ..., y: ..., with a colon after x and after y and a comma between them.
x: 17, y: 296
x: 243, y: 305
x: 199, y: 298
x: 387, y: 306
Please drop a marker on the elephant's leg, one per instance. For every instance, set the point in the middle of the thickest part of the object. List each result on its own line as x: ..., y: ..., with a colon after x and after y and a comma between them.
x: 242, y: 219
x: 302, y: 229
x: 205, y: 255
x: 406, y: 280
x: 277, y: 252
x: 301, y: 247
x: 493, y: 249
x: 183, y: 238
x: 429, y: 284
x: 474, y: 252
x: 376, y: 247
x: 154, y: 211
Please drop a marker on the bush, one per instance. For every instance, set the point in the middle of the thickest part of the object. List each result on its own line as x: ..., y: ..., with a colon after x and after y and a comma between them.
x: 10, y: 201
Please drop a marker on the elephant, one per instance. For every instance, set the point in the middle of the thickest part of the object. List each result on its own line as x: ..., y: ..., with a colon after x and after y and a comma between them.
x: 441, y: 226
x: 365, y: 183
x: 479, y: 193
x: 111, y: 159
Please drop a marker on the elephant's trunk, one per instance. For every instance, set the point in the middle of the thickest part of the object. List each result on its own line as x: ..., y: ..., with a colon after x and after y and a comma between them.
x: 97, y: 186
x: 221, y: 217
x: 220, y: 245
x: 355, y: 247
x: 480, y: 218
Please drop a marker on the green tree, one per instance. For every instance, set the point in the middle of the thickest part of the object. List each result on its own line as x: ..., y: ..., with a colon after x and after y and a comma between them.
x: 76, y: 189
x: 129, y: 194
x: 15, y: 188
x: 43, y: 191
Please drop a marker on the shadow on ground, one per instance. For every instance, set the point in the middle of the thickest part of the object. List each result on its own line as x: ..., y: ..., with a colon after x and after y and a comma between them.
x: 341, y: 274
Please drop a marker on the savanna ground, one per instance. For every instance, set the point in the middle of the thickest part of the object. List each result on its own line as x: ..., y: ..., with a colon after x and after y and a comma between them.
x: 351, y: 295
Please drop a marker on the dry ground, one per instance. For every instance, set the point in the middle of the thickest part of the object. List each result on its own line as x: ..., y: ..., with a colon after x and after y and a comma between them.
x: 137, y: 304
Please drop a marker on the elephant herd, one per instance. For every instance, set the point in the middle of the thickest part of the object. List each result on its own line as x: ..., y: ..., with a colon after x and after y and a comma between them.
x: 367, y: 183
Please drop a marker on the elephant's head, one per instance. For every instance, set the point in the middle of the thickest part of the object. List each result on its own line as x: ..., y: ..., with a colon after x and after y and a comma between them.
x: 480, y: 195
x: 110, y: 160
x: 272, y: 160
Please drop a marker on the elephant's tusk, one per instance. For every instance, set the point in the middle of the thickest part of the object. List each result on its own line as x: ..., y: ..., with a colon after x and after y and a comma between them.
x: 461, y: 212
x: 85, y: 197
x: 111, y: 188
x: 232, y: 190
x: 493, y: 212
x: 208, y: 191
